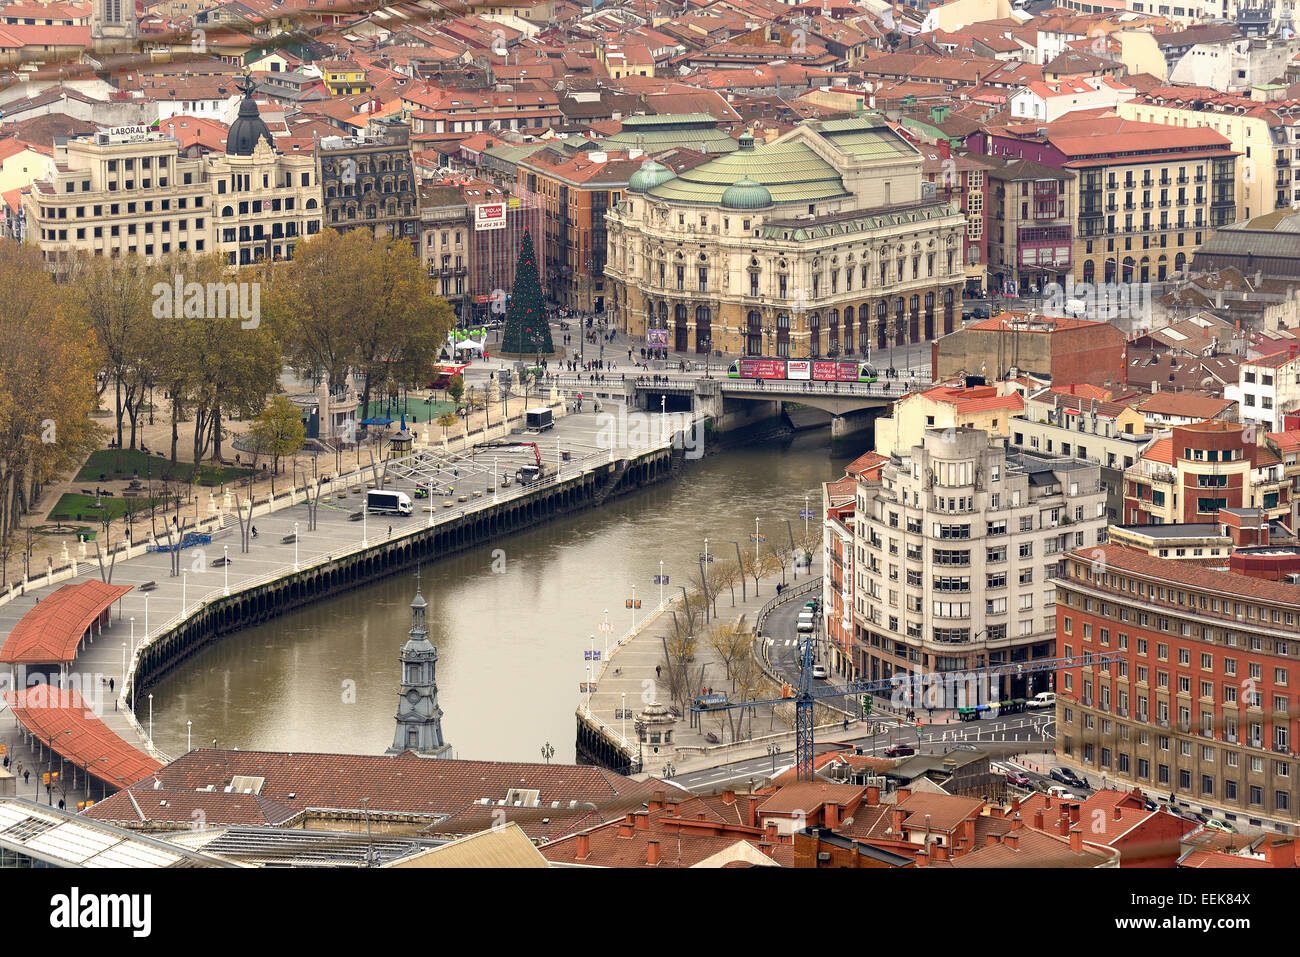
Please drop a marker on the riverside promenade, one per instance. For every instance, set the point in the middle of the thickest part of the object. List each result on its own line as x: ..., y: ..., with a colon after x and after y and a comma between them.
x: 577, y: 452
x: 627, y: 682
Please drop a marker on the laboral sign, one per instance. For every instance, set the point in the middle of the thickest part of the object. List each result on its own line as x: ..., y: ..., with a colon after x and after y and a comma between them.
x: 490, y: 216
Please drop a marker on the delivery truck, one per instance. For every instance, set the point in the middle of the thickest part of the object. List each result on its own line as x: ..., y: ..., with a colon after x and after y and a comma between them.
x: 380, y: 502
x: 539, y: 419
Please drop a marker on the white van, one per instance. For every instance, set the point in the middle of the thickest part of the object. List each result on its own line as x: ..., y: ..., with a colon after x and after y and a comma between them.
x: 1044, y: 699
x: 380, y: 502
x: 806, y: 621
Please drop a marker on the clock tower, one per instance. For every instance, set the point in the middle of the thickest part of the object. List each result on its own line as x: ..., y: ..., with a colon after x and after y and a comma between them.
x: 419, y: 719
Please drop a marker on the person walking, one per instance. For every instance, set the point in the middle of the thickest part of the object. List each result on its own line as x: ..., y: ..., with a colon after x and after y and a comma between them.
x: 111, y: 682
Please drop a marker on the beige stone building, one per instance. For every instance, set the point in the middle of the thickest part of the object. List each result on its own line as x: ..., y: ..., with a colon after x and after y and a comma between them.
x: 956, y: 549
x: 132, y: 192
x: 823, y: 242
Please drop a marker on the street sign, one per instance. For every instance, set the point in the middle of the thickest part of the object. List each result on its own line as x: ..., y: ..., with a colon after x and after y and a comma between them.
x: 661, y: 579
x: 607, y: 627
x: 757, y: 538
x: 589, y: 655
x: 806, y: 513
x: 586, y: 687
x: 633, y: 603
x: 707, y: 559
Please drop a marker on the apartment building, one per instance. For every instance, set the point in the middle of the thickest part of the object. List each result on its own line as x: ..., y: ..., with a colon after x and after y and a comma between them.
x: 368, y: 180
x: 945, y: 407
x: 124, y: 192
x: 1199, y: 701
x: 956, y: 548
x: 1200, y: 469
x: 1030, y: 224
x: 1269, y: 387
x: 1084, y: 427
x: 576, y: 194
x: 1265, y: 135
x: 1145, y: 195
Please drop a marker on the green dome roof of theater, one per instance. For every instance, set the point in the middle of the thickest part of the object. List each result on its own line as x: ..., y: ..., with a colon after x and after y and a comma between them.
x: 650, y: 175
x: 788, y: 172
x: 746, y: 194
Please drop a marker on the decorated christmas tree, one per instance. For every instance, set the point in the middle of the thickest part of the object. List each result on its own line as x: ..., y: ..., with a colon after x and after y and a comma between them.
x: 527, y: 330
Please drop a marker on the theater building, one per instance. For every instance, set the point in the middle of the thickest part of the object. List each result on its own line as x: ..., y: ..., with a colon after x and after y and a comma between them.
x: 823, y: 242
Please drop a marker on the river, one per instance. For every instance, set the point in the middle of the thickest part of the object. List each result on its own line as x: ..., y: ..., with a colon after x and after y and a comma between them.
x: 510, y: 642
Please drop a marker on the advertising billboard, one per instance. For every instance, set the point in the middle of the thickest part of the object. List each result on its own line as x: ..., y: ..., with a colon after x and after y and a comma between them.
x: 489, y: 216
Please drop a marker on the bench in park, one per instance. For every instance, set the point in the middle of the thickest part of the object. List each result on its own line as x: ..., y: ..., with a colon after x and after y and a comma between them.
x: 288, y: 539
x: 221, y: 562
x: 148, y: 586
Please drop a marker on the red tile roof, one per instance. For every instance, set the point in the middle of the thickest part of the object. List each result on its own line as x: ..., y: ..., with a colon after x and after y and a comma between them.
x: 62, y: 716
x: 51, y: 631
x: 1120, y: 558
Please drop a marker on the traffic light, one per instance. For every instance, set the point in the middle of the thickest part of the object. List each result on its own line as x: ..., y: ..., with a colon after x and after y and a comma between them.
x: 866, y: 704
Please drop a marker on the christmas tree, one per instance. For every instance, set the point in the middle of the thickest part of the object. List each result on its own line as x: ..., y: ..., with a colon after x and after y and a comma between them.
x: 527, y: 330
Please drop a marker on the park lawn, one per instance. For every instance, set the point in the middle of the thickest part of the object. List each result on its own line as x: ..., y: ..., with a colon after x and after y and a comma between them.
x: 80, y: 508
x: 102, y: 466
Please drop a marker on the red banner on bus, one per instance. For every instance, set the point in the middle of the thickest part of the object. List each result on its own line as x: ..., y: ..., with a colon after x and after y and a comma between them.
x: 762, y: 368
x: 835, y: 371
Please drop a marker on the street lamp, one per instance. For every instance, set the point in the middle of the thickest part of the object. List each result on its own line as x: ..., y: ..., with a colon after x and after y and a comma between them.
x: 146, y: 619
x: 663, y: 421
x: 623, y: 713
x: 295, y: 546
x: 225, y: 567
x: 548, y: 752
x: 774, y: 750
x: 756, y: 555
x: 189, y: 725
x: 669, y: 770
x: 661, y: 583
x: 634, y: 608
x: 185, y: 580
x: 806, y: 513
x: 151, y: 721
x: 133, y: 670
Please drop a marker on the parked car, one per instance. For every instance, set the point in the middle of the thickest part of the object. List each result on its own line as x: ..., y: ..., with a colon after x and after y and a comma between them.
x: 1019, y: 779
x: 1214, y: 824
x: 819, y: 671
x: 1066, y: 776
x: 899, y: 750
x: 1057, y: 791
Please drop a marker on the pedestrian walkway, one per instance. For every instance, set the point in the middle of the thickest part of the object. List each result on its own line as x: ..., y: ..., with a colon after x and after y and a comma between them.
x: 632, y: 678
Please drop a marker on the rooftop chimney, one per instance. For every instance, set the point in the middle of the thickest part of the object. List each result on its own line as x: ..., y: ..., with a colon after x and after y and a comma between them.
x: 728, y: 796
x: 873, y: 795
x: 642, y: 819
x: 652, y: 852
x: 1279, y: 853
x: 1017, y: 823
x: 656, y: 801
x: 1119, y: 812
x: 1038, y: 820
x: 831, y: 813
x: 583, y: 847
x: 903, y: 795
x: 1076, y: 839
x: 1012, y: 839
x: 896, y: 818
x: 1074, y: 813
x: 940, y: 852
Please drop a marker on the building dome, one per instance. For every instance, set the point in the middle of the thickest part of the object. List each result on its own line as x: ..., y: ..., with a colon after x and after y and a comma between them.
x: 746, y: 194
x: 248, y: 128
x: 650, y: 175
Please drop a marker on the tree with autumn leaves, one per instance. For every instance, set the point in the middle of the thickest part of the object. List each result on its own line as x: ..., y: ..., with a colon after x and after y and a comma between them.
x: 48, y: 362
x: 356, y: 303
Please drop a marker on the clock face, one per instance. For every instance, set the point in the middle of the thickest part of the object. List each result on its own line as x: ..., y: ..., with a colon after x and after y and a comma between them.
x: 412, y: 696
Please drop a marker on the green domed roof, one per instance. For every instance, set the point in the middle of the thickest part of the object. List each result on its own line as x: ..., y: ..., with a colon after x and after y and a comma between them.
x: 650, y: 175
x: 746, y: 194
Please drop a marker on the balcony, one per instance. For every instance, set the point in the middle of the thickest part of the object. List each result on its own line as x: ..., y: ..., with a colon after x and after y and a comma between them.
x: 1181, y: 181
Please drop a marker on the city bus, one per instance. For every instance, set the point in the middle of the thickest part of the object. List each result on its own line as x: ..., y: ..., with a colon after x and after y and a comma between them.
x: 803, y: 370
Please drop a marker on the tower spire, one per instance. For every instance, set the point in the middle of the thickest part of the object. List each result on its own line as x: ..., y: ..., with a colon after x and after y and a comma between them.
x: 419, y: 719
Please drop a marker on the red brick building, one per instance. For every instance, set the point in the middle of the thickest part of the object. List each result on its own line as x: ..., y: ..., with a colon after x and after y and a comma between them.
x: 1065, y: 350
x: 1200, y: 702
